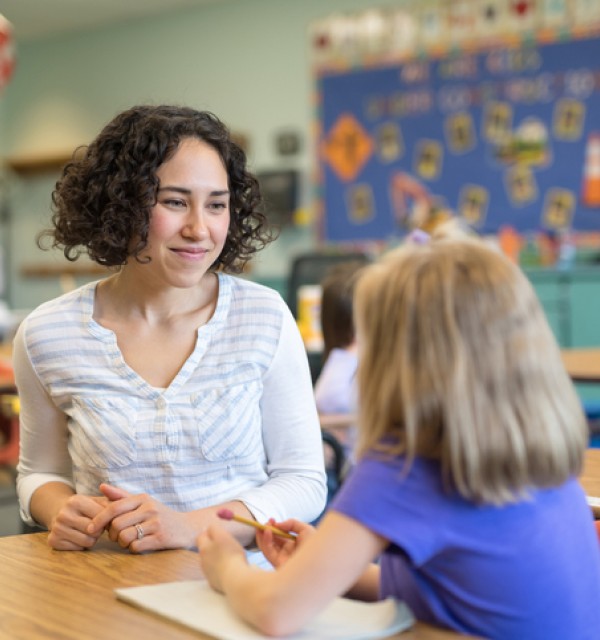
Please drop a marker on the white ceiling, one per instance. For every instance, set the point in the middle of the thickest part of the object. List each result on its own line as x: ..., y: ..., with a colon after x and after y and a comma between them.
x: 33, y: 19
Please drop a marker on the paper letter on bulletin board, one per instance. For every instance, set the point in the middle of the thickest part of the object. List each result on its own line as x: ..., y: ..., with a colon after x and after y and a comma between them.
x: 509, y: 136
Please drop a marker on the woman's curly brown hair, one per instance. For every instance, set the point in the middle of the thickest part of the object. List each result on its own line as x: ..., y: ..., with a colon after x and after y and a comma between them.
x: 103, y: 199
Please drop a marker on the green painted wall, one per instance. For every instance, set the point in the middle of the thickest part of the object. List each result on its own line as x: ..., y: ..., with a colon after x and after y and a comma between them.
x: 571, y: 300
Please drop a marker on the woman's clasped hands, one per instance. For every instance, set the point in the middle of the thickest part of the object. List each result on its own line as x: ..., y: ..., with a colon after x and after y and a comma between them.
x: 70, y: 528
x: 138, y: 522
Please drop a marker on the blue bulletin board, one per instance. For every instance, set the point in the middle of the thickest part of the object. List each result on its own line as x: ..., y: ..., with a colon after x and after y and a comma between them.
x: 504, y: 137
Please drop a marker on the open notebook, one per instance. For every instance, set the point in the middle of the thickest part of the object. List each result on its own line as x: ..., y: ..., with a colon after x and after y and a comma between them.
x: 593, y: 501
x: 194, y: 604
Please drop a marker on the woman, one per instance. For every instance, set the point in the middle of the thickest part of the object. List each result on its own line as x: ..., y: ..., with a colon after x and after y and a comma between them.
x: 170, y: 389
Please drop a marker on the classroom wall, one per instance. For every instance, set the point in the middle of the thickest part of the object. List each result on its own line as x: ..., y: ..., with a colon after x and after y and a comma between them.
x: 248, y: 61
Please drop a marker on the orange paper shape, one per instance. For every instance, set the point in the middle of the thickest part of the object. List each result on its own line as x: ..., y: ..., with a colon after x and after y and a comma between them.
x: 347, y: 148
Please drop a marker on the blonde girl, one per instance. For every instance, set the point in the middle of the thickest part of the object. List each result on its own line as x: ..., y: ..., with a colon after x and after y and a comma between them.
x: 471, y: 438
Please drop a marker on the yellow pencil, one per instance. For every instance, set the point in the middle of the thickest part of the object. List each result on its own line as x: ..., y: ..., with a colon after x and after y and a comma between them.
x: 227, y: 514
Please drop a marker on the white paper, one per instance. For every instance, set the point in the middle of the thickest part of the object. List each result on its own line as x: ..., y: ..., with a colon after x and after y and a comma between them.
x: 194, y: 604
x: 593, y: 501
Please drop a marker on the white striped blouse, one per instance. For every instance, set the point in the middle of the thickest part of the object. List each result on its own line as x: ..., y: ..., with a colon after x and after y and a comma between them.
x: 238, y: 422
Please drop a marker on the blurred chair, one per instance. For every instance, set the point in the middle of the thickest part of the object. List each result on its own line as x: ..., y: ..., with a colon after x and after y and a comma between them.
x: 591, y: 409
x: 337, y: 456
x: 9, y: 427
x: 9, y: 410
x: 310, y: 269
x: 337, y: 467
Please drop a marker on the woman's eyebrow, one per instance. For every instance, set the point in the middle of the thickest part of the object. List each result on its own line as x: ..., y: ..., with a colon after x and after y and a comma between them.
x: 183, y: 190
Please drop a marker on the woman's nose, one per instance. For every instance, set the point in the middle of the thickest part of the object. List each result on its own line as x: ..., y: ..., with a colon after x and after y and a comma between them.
x: 195, y: 226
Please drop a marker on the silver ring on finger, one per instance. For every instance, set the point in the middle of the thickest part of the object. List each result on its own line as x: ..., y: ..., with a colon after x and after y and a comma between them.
x: 140, y: 531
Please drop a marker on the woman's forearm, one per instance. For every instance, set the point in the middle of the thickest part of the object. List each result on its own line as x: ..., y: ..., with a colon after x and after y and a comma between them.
x: 48, y: 500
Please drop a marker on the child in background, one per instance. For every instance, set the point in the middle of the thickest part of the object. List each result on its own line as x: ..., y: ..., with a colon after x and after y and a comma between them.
x: 471, y: 437
x: 335, y: 389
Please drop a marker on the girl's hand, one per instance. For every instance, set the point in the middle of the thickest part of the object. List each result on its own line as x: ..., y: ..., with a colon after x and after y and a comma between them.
x: 277, y: 550
x: 69, y: 528
x: 140, y: 523
x: 218, y: 550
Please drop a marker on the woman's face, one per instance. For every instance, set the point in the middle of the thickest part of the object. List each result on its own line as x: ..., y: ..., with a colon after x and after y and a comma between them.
x: 189, y: 223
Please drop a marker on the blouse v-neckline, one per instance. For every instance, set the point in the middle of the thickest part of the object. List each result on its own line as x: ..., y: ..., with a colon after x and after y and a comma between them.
x: 204, y: 334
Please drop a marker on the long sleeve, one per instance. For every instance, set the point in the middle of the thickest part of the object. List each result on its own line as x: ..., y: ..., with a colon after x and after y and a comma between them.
x: 292, y: 437
x: 44, y: 456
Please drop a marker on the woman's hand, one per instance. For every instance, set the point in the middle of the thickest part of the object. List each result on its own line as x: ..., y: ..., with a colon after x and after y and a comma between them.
x: 69, y: 527
x: 277, y: 550
x: 218, y: 548
x: 140, y: 523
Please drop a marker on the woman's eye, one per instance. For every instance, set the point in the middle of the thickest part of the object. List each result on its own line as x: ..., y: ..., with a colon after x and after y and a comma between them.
x: 175, y: 204
x: 218, y: 206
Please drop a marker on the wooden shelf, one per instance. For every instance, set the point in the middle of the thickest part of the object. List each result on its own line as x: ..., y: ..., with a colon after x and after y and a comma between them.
x: 34, y: 165
x: 62, y: 270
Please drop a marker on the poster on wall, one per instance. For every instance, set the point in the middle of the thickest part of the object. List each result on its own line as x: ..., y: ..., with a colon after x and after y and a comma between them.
x: 508, y: 136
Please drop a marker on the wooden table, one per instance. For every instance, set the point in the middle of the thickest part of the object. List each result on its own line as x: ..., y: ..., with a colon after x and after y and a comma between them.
x: 69, y: 594
x: 336, y: 420
x: 583, y: 365
x: 590, y: 479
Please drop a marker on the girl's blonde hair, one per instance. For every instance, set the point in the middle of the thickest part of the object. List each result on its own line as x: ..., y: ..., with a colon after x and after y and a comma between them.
x: 458, y: 363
